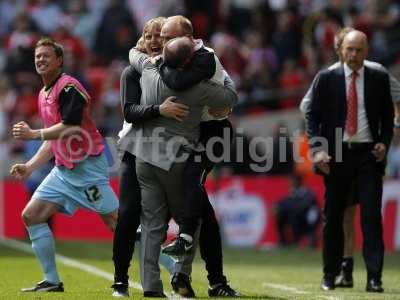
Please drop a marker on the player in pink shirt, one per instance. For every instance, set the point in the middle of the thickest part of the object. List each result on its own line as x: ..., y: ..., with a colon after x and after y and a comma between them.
x: 80, y: 176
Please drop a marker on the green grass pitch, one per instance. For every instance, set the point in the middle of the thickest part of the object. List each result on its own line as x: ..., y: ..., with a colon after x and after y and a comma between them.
x: 278, y: 274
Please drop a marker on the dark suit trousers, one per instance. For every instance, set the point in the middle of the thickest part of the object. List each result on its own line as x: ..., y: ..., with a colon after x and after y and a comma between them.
x: 359, y: 165
x: 128, y: 218
x: 198, y: 166
x: 198, y: 206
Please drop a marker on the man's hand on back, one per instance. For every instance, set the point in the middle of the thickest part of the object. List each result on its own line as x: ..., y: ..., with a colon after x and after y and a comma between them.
x: 170, y: 109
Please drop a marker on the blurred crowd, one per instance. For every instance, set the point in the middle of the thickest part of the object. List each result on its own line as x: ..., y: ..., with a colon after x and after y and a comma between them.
x: 271, y: 48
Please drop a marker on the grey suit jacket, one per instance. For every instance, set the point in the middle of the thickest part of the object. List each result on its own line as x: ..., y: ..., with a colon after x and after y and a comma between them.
x: 158, y: 141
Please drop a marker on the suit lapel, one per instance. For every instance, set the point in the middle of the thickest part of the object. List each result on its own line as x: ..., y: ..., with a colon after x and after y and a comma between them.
x: 341, y: 93
x: 367, y: 92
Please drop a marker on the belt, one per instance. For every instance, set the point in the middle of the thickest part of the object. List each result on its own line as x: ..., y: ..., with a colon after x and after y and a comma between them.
x: 358, y: 146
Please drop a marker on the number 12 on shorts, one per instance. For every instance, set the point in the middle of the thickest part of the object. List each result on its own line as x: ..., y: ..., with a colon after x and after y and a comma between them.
x: 93, y: 194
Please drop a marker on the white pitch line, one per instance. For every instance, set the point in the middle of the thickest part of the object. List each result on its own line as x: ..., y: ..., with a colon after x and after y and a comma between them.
x: 68, y: 262
x: 24, y: 247
x: 294, y: 290
x: 284, y: 288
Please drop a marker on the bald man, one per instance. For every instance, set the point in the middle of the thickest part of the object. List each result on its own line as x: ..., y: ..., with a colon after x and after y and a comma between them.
x: 346, y: 275
x: 203, y: 65
x: 350, y: 127
x: 161, y: 147
x: 178, y: 52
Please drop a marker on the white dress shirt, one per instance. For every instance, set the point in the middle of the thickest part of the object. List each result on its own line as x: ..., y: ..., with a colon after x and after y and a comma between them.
x: 363, y: 134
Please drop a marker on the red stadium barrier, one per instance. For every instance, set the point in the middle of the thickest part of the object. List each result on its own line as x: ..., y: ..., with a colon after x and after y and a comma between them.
x: 243, y: 205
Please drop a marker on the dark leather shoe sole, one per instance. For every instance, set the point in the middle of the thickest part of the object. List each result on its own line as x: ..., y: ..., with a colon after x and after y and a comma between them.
x: 149, y: 294
x: 344, y: 284
x: 374, y: 289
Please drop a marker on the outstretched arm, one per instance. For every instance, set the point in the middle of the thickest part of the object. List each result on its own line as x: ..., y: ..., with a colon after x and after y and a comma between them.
x: 72, y: 103
x: 137, y: 113
x: 130, y: 98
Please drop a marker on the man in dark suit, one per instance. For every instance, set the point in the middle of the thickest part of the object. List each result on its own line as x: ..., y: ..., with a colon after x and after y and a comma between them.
x: 350, y: 127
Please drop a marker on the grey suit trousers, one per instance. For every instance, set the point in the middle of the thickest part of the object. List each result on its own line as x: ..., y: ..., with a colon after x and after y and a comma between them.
x: 162, y: 196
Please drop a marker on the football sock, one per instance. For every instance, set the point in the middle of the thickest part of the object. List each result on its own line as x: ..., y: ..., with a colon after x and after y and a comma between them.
x: 43, y: 246
x: 167, y: 262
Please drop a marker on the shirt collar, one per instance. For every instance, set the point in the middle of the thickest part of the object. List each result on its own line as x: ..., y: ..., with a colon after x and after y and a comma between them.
x: 46, y: 88
x: 198, y: 44
x: 348, y: 72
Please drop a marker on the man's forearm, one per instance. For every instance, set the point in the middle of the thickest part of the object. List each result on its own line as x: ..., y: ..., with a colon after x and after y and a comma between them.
x: 42, y: 156
x: 202, y: 67
x: 137, y: 114
x: 130, y: 93
x: 56, y: 131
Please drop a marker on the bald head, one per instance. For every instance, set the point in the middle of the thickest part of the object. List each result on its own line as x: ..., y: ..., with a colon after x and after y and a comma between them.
x: 356, y: 36
x: 178, y: 52
x: 354, y: 49
x: 176, y: 26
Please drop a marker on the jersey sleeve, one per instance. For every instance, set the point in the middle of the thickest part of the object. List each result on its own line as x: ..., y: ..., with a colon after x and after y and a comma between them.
x: 71, y: 104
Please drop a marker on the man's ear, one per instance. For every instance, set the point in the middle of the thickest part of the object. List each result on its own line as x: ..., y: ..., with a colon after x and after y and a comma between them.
x: 61, y: 61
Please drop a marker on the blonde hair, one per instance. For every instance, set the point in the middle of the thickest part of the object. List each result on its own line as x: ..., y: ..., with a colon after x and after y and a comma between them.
x: 140, y: 45
x: 159, y: 21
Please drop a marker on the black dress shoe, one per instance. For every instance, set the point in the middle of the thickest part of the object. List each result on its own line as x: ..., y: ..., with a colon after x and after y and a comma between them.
x: 327, y: 283
x: 344, y: 280
x: 120, y: 289
x: 150, y: 294
x: 178, y: 247
x: 181, y: 285
x: 374, y: 286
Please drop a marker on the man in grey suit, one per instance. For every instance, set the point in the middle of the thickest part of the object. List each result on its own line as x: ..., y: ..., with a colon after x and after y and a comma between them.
x: 161, y: 147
